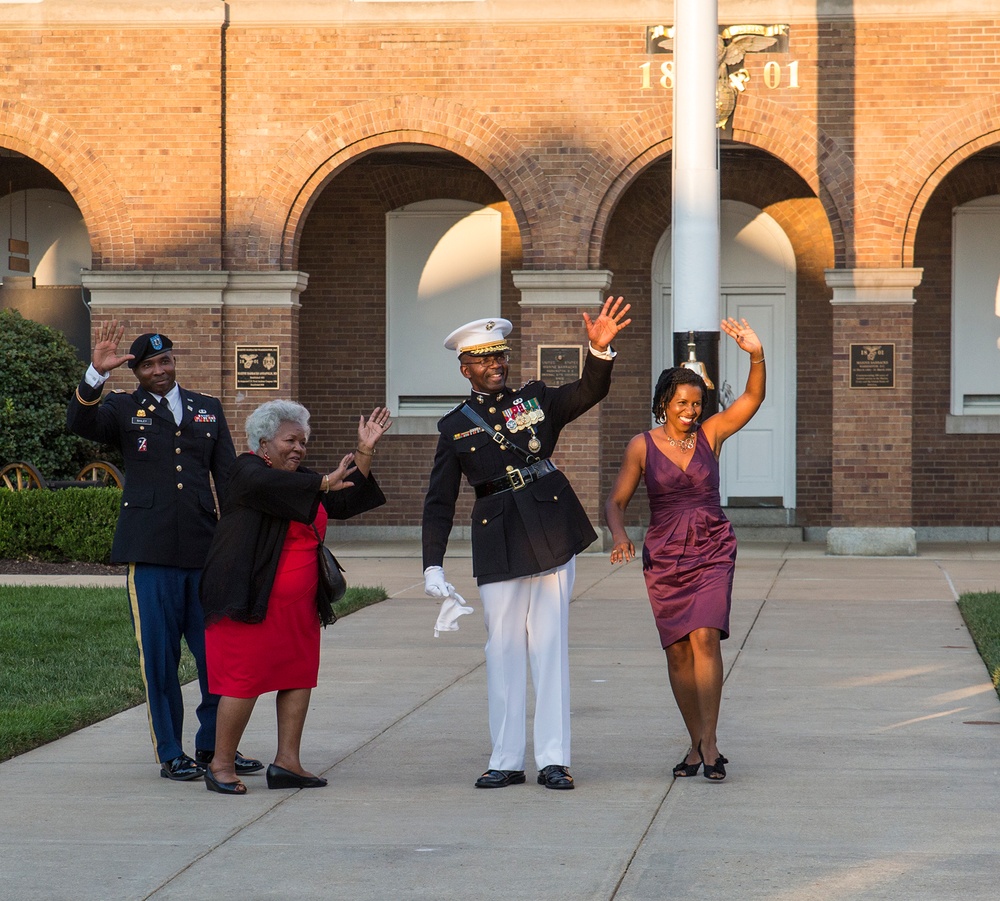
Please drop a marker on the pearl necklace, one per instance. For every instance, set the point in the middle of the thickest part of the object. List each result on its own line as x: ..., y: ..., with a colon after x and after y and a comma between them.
x: 683, y: 444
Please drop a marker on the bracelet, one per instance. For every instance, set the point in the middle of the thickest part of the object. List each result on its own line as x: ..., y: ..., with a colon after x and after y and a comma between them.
x: 752, y: 360
x: 325, y: 484
x: 365, y: 453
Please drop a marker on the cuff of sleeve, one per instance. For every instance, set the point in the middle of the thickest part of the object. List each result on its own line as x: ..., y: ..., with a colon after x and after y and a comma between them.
x: 94, y: 378
x: 608, y: 354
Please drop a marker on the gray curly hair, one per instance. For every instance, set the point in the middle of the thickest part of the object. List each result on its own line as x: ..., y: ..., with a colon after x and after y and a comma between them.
x: 264, y: 422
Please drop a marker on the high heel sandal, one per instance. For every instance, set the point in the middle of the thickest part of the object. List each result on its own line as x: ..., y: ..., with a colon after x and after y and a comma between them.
x: 716, y: 772
x: 687, y: 769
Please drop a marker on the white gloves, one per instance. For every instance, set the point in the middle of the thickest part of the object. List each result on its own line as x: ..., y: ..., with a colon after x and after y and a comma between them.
x: 454, y: 604
x: 434, y: 584
x: 453, y: 607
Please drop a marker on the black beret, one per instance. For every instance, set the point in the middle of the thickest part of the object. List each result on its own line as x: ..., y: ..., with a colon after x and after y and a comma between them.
x: 148, y: 345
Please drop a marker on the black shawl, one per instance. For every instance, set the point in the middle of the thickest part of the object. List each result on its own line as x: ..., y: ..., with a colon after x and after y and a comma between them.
x: 257, y: 506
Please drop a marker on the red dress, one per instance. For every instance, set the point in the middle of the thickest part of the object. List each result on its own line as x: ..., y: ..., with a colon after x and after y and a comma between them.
x: 689, y: 556
x: 282, y: 651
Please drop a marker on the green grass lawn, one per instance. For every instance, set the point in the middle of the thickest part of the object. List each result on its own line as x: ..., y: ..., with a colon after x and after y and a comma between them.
x: 68, y: 659
x: 982, y: 616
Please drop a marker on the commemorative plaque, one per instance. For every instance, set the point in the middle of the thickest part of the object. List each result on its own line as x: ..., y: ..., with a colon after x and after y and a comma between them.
x: 257, y: 366
x: 559, y: 365
x: 873, y: 365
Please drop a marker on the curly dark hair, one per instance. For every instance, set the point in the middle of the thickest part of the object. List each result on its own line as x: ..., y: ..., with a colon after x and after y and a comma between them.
x: 668, y: 383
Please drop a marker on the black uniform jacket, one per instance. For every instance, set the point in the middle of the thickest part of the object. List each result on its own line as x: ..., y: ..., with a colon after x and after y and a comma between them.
x: 168, y: 512
x: 257, y: 506
x: 514, y: 533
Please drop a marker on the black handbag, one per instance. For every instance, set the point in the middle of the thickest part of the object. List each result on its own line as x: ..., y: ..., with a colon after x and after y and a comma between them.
x: 332, y: 585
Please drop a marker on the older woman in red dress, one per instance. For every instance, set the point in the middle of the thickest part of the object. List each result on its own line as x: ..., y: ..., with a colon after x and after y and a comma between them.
x: 258, y: 587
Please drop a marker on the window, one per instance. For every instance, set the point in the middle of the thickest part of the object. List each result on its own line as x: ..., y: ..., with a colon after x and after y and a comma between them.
x: 442, y: 270
x: 976, y: 308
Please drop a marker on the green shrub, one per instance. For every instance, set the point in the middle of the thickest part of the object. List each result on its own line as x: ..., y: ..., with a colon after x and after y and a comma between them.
x: 38, y: 375
x: 75, y: 524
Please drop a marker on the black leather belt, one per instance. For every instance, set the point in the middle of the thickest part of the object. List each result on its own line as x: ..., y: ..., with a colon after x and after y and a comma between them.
x: 516, y: 479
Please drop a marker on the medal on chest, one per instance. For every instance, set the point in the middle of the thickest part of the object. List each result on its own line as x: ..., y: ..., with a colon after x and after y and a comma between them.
x: 525, y: 414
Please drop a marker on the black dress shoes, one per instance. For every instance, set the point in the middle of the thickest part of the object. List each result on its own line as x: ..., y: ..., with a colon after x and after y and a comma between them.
x: 555, y: 776
x: 279, y: 777
x: 223, y: 788
x: 244, y: 765
x: 500, y: 778
x: 181, y: 769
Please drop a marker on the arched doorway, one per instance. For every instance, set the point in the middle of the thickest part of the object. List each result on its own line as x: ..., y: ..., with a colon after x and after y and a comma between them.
x: 758, y: 284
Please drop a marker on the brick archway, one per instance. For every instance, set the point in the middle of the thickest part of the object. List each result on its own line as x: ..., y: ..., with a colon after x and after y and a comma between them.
x: 279, y: 211
x: 798, y: 142
x: 923, y: 166
x: 42, y: 137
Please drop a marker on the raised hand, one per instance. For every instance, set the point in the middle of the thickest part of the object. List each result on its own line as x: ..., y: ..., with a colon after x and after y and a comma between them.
x: 745, y: 336
x: 370, y: 430
x: 602, y: 330
x: 336, y: 480
x: 105, y: 356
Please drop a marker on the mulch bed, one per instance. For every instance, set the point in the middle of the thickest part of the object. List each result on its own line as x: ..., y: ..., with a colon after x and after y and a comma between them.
x: 32, y: 567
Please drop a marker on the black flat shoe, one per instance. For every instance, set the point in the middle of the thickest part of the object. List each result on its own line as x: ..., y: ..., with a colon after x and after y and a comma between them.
x: 684, y: 769
x: 181, y: 769
x: 500, y: 778
x: 244, y: 765
x: 223, y: 788
x: 555, y: 776
x: 716, y: 772
x: 279, y: 777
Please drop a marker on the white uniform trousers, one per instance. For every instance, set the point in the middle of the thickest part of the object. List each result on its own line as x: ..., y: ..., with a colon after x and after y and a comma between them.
x: 527, y: 621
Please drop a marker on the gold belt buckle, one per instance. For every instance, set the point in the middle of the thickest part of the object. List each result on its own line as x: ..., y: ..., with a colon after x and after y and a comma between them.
x: 516, y: 479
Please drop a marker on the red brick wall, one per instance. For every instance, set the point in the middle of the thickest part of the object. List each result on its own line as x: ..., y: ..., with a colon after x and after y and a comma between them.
x: 130, y: 121
x: 871, y: 448
x: 176, y: 164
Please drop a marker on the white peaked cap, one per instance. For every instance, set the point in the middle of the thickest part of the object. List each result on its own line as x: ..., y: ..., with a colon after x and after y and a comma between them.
x: 484, y: 336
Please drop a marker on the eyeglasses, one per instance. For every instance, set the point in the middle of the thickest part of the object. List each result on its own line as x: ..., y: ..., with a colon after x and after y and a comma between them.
x: 487, y: 359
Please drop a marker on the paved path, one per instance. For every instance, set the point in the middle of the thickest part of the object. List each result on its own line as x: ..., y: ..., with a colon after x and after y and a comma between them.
x: 860, y: 721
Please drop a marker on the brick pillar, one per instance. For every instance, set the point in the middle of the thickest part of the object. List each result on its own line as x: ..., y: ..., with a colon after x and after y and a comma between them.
x: 552, y: 304
x: 872, y: 410
x: 185, y: 306
x: 207, y: 315
x: 261, y: 309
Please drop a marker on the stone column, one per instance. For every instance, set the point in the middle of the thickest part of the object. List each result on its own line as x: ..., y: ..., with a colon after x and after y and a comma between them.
x: 552, y: 304
x: 871, y: 457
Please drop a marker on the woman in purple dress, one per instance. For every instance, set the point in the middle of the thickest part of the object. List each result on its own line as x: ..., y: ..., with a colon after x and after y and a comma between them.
x: 689, y: 555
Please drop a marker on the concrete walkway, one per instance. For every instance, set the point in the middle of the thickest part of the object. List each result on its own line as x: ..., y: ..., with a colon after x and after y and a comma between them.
x: 860, y: 723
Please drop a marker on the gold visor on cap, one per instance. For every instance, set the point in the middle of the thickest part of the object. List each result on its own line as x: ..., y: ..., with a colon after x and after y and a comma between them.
x: 478, y: 349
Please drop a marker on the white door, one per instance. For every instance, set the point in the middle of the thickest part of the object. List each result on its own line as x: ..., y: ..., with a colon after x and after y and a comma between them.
x: 754, y: 460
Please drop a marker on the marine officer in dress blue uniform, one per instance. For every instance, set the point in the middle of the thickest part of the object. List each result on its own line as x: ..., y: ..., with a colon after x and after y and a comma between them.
x: 527, y: 528
x: 175, y: 443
